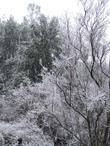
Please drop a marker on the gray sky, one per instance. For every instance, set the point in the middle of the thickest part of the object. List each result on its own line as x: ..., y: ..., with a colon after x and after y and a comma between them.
x: 18, y: 8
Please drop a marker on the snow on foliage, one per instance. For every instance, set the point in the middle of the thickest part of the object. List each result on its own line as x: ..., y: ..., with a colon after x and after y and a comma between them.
x: 24, y: 105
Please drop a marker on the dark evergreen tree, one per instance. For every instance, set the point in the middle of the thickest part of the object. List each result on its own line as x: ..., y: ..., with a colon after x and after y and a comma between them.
x: 54, y: 37
x: 9, y: 44
x: 44, y: 47
x: 11, y: 37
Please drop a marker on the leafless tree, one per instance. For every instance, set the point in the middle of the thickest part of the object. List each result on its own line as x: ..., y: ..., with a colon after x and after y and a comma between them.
x: 83, y: 81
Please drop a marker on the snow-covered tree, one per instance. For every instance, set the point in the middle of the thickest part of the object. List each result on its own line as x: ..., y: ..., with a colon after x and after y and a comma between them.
x: 82, y: 77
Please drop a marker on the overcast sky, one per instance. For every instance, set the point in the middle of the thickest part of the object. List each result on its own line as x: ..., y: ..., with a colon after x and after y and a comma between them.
x: 18, y: 8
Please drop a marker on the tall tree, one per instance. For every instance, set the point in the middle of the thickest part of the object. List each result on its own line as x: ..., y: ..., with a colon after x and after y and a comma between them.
x: 9, y: 45
x: 11, y: 37
x: 44, y: 47
x: 82, y: 79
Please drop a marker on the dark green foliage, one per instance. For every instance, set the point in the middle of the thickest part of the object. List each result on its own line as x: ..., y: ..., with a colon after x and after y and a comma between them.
x: 44, y: 47
x: 54, y: 37
x: 8, y: 46
x: 11, y: 37
x: 27, y: 48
